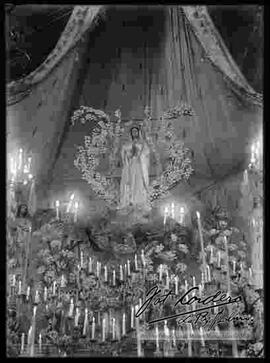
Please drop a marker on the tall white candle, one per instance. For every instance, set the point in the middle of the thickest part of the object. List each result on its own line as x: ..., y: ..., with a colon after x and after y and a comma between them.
x: 136, y: 262
x: 200, y: 290
x: 113, y: 329
x: 40, y: 341
x: 182, y: 214
x: 160, y: 272
x: 105, y: 274
x: 219, y: 259
x: 186, y: 285
x: 211, y: 255
x: 193, y: 281
x: 172, y: 211
x: 98, y: 269
x: 138, y: 333
x: 76, y: 320
x: 132, y: 317
x: 201, y: 239
x: 174, y: 337
x: 57, y: 204
x: 113, y: 277
x: 166, y: 330
x: 245, y: 177
x: 70, y: 203
x: 165, y: 215
x: 85, y: 321
x: 103, y: 329
x: 143, y: 258
x: 128, y: 267
x: 81, y: 259
x: 176, y: 279
x: 71, y: 308
x: 76, y: 206
x: 121, y: 273
x: 93, y: 329
x: 202, y: 278
x: 90, y: 265
x: 167, y: 280
x: 124, y: 324
x: 28, y: 293
x: 45, y: 293
x: 208, y: 273
x: 29, y: 337
x: 234, y: 266
x: 157, y: 338
x: 13, y: 280
x: 20, y: 159
x: 36, y: 297
x: 22, y: 342
x: 202, y: 338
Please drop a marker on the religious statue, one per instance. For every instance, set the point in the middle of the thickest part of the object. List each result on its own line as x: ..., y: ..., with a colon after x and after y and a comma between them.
x: 135, y: 173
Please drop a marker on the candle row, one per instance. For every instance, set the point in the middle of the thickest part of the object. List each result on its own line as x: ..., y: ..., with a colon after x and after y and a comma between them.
x: 170, y: 211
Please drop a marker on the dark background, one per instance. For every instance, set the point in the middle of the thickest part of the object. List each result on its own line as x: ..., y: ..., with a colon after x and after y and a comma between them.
x: 32, y: 32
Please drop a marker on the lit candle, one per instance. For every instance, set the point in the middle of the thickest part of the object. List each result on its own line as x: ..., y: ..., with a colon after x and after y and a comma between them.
x: 36, y: 297
x: 29, y: 337
x: 200, y: 290
x: 201, y: 238
x: 98, y: 269
x: 71, y: 308
x: 157, y: 338
x: 54, y: 287
x: 250, y: 272
x: 85, y: 321
x: 136, y: 263
x: 22, y: 342
x: 167, y: 280
x: 139, y: 347
x: 57, y: 205
x: 121, y: 273
x: 93, y: 329
x: 193, y: 281
x: 125, y: 270
x: 241, y: 267
x: 103, y: 329
x: 76, y: 205
x: 234, y: 266
x: 132, y: 317
x: 29, y: 163
x: 13, y: 280
x: 45, y: 293
x: 166, y: 329
x: 172, y: 210
x: 34, y: 311
x: 113, y: 277
x: 20, y: 159
x: 245, y: 177
x: 113, y: 328
x: 70, y: 203
x: 20, y: 288
x: 128, y: 267
x: 142, y: 257
x: 202, y: 338
x: 202, y: 279
x: 219, y: 259
x: 81, y: 259
x: 182, y: 213
x: 186, y: 285
x: 174, y: 337
x: 105, y: 274
x: 76, y: 320
x: 28, y: 293
x: 176, y: 279
x: 160, y: 272
x: 165, y: 215
x: 211, y: 255
x: 124, y: 324
x: 40, y: 341
x: 90, y: 266
x: 208, y: 273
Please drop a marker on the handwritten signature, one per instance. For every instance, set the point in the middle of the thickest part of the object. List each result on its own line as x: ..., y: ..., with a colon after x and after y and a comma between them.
x: 155, y: 297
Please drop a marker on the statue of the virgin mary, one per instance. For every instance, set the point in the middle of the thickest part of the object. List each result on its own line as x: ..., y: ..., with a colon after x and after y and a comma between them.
x: 135, y: 173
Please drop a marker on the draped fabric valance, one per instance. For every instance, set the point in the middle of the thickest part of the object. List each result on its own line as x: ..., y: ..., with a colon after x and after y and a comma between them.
x: 84, y: 17
x: 81, y: 20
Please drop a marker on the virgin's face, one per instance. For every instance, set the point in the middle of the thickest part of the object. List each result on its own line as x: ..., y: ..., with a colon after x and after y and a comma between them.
x: 134, y: 134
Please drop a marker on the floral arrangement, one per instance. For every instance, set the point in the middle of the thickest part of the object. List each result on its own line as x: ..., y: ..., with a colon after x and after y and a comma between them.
x: 105, y: 136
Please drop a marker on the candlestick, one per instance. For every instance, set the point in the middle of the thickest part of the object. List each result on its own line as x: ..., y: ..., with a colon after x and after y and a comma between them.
x: 93, y: 329
x: 132, y: 317
x: 157, y: 338
x: 71, y: 308
x: 176, y: 279
x: 201, y: 239
x: 76, y: 319
x: 57, y: 204
x: 76, y: 205
x: 165, y: 215
x: 105, y: 274
x: 28, y: 293
x: 90, y: 266
x: 85, y: 321
x: 113, y: 277
x: 45, y: 293
x: 40, y: 341
x: 121, y: 273
x: 113, y: 329
x: 208, y: 273
x: 103, y: 329
x: 22, y: 342
x: 124, y: 324
x: 136, y: 263
x: 160, y: 272
x: 128, y: 267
